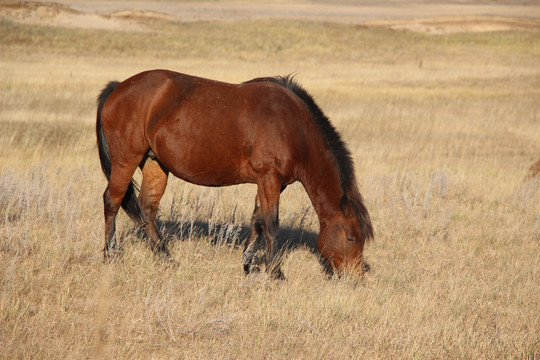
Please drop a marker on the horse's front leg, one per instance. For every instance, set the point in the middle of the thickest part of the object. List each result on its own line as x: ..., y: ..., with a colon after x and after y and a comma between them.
x: 250, y: 258
x: 269, y: 189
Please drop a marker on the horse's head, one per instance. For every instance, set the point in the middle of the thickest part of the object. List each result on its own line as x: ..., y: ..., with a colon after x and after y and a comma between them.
x: 342, y: 237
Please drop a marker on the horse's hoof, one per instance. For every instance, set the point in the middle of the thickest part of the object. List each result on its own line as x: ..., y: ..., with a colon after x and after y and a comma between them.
x: 251, y: 269
x: 163, y: 254
x: 161, y: 248
x: 111, y: 255
x: 278, y: 275
x: 366, y: 267
x: 170, y: 262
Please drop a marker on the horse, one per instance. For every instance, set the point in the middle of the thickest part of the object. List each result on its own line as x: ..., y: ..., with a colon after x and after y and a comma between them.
x: 267, y: 131
x: 534, y: 171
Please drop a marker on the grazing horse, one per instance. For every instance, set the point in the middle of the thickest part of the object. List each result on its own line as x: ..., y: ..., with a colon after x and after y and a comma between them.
x: 267, y: 131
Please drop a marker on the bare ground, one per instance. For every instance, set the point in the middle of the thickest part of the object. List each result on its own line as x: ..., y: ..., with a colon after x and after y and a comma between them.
x: 423, y: 16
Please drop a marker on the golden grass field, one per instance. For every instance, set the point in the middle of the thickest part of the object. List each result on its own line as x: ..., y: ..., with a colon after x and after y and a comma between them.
x: 443, y: 129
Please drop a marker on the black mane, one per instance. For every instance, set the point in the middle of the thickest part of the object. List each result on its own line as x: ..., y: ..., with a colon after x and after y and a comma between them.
x: 341, y: 153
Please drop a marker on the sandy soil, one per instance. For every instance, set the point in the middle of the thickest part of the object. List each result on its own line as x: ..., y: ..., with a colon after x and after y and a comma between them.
x: 425, y: 16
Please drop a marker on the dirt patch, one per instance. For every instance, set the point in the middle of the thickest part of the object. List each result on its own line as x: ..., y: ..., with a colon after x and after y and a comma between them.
x: 459, y: 24
x: 54, y: 14
x: 141, y: 15
x: 422, y: 17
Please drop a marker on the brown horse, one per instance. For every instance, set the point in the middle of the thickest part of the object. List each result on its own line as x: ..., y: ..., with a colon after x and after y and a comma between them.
x: 534, y: 171
x: 267, y: 131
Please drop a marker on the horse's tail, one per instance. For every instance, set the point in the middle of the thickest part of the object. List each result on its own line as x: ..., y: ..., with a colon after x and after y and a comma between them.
x: 129, y: 202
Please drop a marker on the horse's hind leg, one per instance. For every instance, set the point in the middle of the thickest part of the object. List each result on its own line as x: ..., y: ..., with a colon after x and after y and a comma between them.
x: 254, y: 243
x: 152, y: 189
x: 119, y: 181
x: 111, y: 209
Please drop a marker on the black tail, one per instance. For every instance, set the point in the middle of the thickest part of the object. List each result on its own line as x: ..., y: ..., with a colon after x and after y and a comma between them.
x: 129, y: 202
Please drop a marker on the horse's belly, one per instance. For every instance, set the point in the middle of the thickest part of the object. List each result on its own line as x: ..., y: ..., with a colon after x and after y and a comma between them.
x: 208, y: 166
x: 210, y: 177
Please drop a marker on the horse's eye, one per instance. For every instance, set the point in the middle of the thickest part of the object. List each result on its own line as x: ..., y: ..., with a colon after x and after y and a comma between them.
x: 350, y: 238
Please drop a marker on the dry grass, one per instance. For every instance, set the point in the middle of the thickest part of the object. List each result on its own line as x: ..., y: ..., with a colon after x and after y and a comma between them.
x: 443, y: 130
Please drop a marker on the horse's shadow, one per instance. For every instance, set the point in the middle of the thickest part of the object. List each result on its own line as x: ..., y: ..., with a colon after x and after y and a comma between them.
x: 231, y: 234
x: 228, y: 234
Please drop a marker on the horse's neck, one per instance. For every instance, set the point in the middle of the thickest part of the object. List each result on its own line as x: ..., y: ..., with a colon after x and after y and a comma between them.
x: 322, y: 182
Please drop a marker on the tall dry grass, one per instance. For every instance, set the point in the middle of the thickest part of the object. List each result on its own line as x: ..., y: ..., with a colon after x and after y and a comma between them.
x: 442, y: 128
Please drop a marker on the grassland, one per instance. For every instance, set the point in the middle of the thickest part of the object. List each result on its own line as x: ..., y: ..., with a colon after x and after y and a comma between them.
x: 442, y: 129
